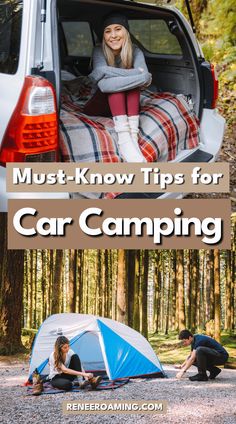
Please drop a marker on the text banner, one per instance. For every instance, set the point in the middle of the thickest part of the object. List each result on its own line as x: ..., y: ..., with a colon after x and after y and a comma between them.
x: 130, y: 224
x: 118, y: 177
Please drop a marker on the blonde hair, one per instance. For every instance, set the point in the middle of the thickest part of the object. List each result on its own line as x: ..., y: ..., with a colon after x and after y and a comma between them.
x: 58, y: 355
x: 126, y: 54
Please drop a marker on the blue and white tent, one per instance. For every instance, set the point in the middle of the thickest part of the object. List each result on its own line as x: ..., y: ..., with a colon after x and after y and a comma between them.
x: 101, y: 343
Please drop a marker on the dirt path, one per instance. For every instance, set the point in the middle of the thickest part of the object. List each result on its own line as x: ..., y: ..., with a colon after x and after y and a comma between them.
x: 212, y: 402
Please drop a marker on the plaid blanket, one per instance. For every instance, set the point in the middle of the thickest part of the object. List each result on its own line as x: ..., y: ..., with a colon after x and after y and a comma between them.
x: 167, y: 126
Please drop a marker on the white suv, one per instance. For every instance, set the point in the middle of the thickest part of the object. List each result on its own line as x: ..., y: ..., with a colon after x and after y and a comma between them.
x: 39, y: 39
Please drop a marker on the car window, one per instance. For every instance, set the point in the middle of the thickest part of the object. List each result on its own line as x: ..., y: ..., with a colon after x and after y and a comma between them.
x: 79, y: 38
x: 10, y: 35
x: 155, y: 36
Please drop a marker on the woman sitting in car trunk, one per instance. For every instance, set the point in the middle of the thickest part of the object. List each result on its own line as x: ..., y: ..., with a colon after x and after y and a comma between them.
x: 120, y: 70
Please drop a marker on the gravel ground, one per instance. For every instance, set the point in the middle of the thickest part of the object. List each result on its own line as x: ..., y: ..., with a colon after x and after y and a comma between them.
x: 211, y: 402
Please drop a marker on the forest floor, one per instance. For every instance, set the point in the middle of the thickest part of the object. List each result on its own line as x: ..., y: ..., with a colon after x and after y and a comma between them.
x: 187, y: 402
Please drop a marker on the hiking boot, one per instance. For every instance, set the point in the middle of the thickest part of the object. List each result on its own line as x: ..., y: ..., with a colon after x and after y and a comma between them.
x: 199, y: 377
x: 36, y: 377
x: 94, y: 381
x: 37, y: 388
x: 214, y: 372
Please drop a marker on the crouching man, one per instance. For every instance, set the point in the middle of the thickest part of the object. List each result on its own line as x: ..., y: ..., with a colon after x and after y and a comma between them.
x: 205, y: 354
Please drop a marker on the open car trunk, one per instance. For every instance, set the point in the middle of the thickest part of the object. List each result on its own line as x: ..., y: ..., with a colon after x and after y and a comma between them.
x: 182, y: 81
x: 159, y: 32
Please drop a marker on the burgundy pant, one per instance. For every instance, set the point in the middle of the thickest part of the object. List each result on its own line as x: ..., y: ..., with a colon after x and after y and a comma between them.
x: 123, y: 103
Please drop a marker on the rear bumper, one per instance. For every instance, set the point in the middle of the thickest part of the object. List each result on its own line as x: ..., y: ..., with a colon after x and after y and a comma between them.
x: 212, y: 129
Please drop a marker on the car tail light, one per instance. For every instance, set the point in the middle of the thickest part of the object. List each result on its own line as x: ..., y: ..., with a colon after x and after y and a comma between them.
x: 32, y: 133
x: 215, y: 87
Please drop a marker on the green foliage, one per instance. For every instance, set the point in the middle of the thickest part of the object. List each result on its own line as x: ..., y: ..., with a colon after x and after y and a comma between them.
x: 30, y: 332
x: 218, y: 34
x: 28, y: 336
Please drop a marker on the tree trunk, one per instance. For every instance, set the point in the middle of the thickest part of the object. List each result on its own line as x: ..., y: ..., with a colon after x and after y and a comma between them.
x: 80, y: 273
x: 228, y: 324
x: 35, y: 289
x: 12, y: 283
x: 157, y: 287
x: 180, y: 284
x: 63, y: 303
x: 106, y: 283
x: 188, y: 291
x: 209, y: 286
x: 168, y: 294
x: 114, y: 288
x: 174, y: 320
x: 212, y: 304
x: 136, y: 315
x: 50, y: 280
x: 194, y: 278
x: 144, y: 292
x: 202, y: 317
x: 3, y: 235
x: 31, y: 290
x: 43, y: 284
x: 72, y: 280
x: 26, y: 290
x: 130, y: 263
x: 56, y: 289
x: 233, y: 282
x: 217, y: 293
x: 99, y: 281
x: 122, y: 315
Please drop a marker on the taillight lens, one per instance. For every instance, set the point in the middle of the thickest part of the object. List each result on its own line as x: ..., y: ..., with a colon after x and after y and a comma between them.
x: 215, y: 87
x: 33, y: 128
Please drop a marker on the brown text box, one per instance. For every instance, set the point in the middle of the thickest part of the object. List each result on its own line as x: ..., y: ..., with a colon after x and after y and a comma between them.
x: 121, y: 210
x: 152, y: 177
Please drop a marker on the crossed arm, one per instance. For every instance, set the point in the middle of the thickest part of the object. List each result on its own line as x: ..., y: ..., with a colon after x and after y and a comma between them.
x: 111, y: 79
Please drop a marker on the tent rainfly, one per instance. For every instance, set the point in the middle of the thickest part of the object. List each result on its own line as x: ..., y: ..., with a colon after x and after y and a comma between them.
x: 101, y: 343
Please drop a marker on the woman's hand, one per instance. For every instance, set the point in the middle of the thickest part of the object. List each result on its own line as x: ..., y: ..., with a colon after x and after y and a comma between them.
x: 88, y: 375
x: 178, y: 366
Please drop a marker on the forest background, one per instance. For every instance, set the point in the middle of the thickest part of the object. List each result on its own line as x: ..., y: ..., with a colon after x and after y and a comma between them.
x: 155, y: 292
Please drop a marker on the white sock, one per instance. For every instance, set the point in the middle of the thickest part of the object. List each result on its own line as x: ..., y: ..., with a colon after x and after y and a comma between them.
x: 128, y: 150
x: 134, y: 130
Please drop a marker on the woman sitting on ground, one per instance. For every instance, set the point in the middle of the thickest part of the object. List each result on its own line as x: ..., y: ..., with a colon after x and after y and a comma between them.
x: 65, y: 367
x: 120, y: 70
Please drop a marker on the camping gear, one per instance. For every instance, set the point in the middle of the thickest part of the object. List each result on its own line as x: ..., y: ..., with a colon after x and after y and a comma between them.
x: 101, y: 343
